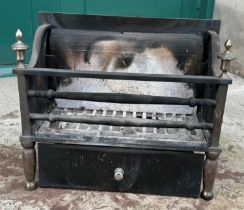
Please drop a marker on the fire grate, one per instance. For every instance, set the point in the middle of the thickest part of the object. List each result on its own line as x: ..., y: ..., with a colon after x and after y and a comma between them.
x: 137, y: 133
x: 86, y: 59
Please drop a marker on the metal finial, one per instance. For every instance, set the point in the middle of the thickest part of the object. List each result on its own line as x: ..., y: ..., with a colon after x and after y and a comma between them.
x: 18, y: 35
x: 20, y: 49
x: 226, y: 58
x: 228, y: 44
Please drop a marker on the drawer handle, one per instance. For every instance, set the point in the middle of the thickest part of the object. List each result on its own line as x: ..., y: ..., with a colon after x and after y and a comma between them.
x: 118, y: 174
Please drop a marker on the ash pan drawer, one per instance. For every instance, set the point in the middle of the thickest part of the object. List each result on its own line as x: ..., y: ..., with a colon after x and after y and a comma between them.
x: 120, y: 169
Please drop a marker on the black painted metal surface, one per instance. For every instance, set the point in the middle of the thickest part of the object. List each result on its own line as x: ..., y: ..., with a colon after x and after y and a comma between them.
x: 127, y: 24
x: 199, y: 79
x: 119, y: 121
x: 121, y: 98
x: 145, y: 171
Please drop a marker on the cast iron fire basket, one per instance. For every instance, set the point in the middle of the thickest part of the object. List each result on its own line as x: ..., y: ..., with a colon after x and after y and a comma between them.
x: 123, y: 104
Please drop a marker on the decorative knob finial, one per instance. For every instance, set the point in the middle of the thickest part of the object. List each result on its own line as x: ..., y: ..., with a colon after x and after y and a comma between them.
x: 226, y: 58
x: 228, y: 44
x: 20, y: 49
x: 18, y: 35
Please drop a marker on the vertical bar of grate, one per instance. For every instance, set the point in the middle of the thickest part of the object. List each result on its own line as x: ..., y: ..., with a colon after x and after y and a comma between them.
x: 123, y: 115
x: 100, y: 127
x: 94, y: 113
x: 154, y: 118
x: 80, y: 112
x: 62, y: 125
x: 68, y: 124
x: 111, y: 127
x: 74, y: 125
x: 161, y: 116
x: 134, y: 116
x: 144, y: 116
x: 81, y: 125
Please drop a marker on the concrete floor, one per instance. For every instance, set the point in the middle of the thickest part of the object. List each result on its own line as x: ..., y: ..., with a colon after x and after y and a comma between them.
x: 229, y: 186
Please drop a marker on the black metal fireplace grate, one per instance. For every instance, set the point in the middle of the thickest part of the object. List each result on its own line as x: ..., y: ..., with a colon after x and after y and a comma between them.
x: 133, y: 150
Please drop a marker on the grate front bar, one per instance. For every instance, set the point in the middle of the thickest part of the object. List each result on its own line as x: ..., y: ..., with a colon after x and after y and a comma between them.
x: 122, y: 98
x: 120, y: 121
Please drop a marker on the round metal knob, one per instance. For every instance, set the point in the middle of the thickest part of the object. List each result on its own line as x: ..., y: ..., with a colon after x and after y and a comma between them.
x: 118, y: 174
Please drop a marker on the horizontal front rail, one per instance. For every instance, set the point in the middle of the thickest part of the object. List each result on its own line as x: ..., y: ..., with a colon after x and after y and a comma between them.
x: 106, y: 142
x: 120, y: 121
x: 121, y: 98
x: 191, y: 79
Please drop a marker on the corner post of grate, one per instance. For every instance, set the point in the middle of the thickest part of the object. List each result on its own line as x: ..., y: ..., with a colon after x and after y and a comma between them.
x: 29, y: 152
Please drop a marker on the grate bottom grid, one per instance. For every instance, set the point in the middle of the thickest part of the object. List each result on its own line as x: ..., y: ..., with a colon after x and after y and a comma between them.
x: 146, y: 133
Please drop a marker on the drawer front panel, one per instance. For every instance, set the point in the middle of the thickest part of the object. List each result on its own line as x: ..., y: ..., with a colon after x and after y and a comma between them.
x: 143, y: 171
